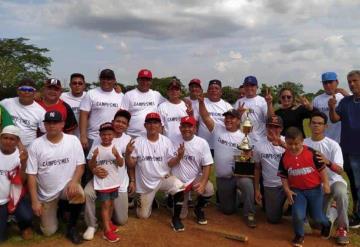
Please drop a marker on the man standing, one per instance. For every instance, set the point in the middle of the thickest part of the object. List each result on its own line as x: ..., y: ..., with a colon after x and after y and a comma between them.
x: 141, y: 101
x: 330, y: 84
x: 25, y: 112
x: 348, y: 113
x: 195, y: 90
x: 98, y: 106
x: 55, y: 166
x: 74, y: 97
x: 153, y: 156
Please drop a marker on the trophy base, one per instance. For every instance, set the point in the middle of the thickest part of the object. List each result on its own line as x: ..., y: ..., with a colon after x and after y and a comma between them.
x: 244, y: 169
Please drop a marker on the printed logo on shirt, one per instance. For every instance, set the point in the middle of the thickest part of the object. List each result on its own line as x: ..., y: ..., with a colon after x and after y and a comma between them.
x: 300, y: 171
x: 173, y: 119
x: 215, y: 114
x: 107, y: 104
x: 4, y: 173
x: 227, y: 143
x: 144, y: 103
x: 149, y: 158
x: 189, y: 157
x: 276, y: 157
x: 106, y: 162
x: 21, y: 121
x: 56, y: 162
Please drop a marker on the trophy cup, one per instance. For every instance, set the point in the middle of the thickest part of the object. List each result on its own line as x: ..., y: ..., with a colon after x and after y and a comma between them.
x: 244, y: 164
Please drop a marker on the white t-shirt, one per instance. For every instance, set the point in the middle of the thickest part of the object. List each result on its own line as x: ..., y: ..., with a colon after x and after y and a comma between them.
x: 139, y: 104
x: 197, y: 154
x: 74, y: 103
x: 27, y: 117
x: 257, y: 115
x: 333, y: 130
x: 120, y: 144
x: 106, y: 159
x: 102, y: 107
x: 195, y: 107
x: 332, y: 151
x: 8, y: 162
x: 54, y: 164
x: 171, y: 115
x: 269, y: 156
x: 225, y: 147
x: 152, y: 162
x: 216, y: 110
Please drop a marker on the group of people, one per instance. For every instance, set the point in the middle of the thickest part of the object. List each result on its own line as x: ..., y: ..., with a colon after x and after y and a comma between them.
x: 62, y: 150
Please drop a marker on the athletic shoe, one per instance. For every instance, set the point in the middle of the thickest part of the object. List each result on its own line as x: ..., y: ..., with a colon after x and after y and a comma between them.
x: 177, y: 225
x: 354, y: 222
x: 110, y: 236
x: 73, y: 235
x: 298, y: 241
x: 89, y: 233
x: 200, y: 216
x: 113, y: 227
x: 250, y: 221
x: 326, y: 230
x: 341, y: 236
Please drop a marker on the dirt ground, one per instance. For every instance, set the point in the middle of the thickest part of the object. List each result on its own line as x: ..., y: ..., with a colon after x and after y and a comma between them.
x: 156, y: 231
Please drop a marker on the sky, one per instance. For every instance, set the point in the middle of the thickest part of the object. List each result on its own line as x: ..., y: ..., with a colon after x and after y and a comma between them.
x: 274, y: 40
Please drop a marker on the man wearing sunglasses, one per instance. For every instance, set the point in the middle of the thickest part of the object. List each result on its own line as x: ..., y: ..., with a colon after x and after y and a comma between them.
x: 25, y: 112
x: 74, y: 97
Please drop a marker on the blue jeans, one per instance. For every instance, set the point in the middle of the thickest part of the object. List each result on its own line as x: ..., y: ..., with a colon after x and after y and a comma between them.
x: 23, y: 214
x: 308, y: 199
x: 354, y: 160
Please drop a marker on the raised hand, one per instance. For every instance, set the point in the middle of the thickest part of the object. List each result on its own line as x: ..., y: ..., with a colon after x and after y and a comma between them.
x: 95, y: 153
x: 181, y: 151
x: 23, y: 156
x: 242, y: 109
x: 268, y: 96
x: 322, y: 159
x: 189, y: 109
x: 332, y: 102
x: 115, y: 152
x: 305, y: 102
x: 130, y: 147
x: 201, y: 98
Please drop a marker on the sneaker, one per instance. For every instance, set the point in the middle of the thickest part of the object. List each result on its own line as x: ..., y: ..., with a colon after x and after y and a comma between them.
x: 250, y: 221
x: 200, y: 216
x: 341, y: 236
x: 73, y: 235
x: 177, y: 225
x: 298, y: 241
x: 89, y: 233
x: 354, y: 222
x: 113, y: 227
x: 326, y: 230
x: 110, y: 236
x: 27, y: 234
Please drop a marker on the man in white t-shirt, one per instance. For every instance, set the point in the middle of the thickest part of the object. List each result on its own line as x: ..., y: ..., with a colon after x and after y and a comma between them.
x: 12, y: 164
x: 55, y: 166
x: 329, y: 152
x: 25, y: 112
x: 194, y: 168
x: 98, y: 106
x: 120, y: 215
x: 227, y: 137
x: 74, y: 97
x: 141, y: 101
x: 215, y: 106
x: 152, y: 156
x: 267, y: 155
x: 172, y: 110
x: 195, y: 90
x: 254, y: 106
x: 330, y: 84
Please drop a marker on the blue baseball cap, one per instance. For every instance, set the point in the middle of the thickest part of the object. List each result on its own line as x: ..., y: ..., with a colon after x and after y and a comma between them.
x: 250, y: 80
x: 329, y: 76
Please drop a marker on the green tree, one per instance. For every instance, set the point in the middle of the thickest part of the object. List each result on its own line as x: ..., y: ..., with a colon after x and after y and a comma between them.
x: 230, y: 94
x: 19, y: 60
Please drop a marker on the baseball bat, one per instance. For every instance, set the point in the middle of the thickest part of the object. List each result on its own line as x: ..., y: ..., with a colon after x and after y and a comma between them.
x: 233, y: 236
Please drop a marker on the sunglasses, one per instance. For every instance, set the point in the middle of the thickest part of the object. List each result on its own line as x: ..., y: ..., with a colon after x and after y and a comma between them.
x: 27, y: 89
x: 286, y: 97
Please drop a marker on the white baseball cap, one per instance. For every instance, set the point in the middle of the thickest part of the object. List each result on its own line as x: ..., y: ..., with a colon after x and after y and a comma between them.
x: 12, y: 130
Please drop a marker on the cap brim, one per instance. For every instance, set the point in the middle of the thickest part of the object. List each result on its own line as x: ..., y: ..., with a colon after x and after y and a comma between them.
x: 152, y: 119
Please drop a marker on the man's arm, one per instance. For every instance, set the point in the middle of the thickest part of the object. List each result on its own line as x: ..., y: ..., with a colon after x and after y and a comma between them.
x: 334, y: 117
x: 35, y: 203
x: 204, y: 114
x: 83, y: 119
x: 129, y: 160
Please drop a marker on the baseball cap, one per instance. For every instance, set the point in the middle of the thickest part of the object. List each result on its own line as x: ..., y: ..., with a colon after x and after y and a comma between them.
x: 232, y: 112
x: 145, y: 73
x: 215, y: 82
x: 195, y: 81
x: 107, y: 74
x: 11, y: 130
x: 174, y: 83
x: 329, y: 76
x: 275, y: 121
x: 53, y: 116
x: 152, y: 116
x: 123, y: 113
x: 106, y: 126
x: 250, y: 80
x: 52, y: 82
x: 188, y: 120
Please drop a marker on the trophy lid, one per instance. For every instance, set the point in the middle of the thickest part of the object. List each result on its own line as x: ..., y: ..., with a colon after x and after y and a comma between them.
x: 245, y: 145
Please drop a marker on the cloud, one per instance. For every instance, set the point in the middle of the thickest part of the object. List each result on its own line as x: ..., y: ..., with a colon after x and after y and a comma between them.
x: 99, y: 47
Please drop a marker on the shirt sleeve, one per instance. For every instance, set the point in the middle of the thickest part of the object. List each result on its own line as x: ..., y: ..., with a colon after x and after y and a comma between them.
x: 337, y: 155
x: 256, y: 156
x: 70, y: 123
x: 207, y: 158
x: 78, y: 151
x: 32, y: 162
x: 282, y: 171
x: 85, y: 104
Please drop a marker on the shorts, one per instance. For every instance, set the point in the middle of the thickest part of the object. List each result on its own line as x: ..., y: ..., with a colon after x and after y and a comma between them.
x: 105, y: 196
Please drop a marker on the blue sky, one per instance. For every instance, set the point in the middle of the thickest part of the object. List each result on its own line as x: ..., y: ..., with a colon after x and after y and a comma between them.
x: 274, y: 40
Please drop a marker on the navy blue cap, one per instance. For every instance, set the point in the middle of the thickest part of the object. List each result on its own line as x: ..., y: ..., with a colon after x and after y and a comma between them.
x: 250, y: 80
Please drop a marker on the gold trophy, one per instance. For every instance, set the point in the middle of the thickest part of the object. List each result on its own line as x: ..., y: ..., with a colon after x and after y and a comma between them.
x: 244, y: 164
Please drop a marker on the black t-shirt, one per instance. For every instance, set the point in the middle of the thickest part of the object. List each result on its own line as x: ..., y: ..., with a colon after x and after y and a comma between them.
x: 293, y: 117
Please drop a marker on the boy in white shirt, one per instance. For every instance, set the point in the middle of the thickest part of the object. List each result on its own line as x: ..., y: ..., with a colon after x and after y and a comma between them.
x: 107, y: 156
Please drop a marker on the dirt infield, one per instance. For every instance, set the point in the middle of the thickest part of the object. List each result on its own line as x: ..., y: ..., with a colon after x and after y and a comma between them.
x: 156, y: 231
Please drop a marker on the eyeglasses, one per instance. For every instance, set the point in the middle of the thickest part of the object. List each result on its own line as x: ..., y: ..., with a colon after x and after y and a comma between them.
x: 327, y: 82
x: 27, y: 89
x: 286, y: 97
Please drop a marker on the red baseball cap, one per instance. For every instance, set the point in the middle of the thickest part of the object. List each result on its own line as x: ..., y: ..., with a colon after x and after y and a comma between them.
x: 145, y: 73
x: 188, y: 120
x: 152, y: 116
x: 195, y: 81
